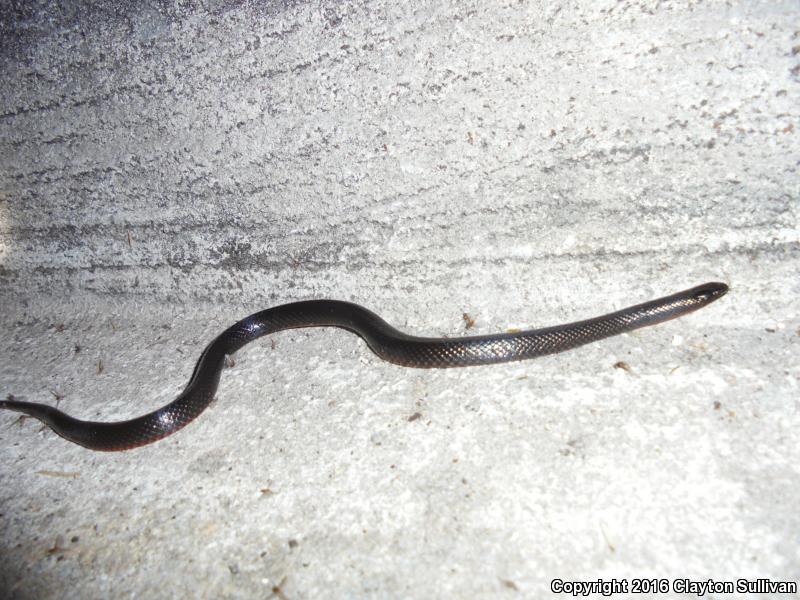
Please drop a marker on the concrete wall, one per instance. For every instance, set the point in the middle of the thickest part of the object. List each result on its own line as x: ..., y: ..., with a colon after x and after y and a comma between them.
x: 165, y: 170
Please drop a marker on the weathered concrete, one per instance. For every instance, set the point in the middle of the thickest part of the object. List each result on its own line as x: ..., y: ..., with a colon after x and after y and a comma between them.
x: 165, y: 171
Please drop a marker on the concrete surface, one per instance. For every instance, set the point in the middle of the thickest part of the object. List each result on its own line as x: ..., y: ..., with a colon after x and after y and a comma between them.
x: 167, y: 169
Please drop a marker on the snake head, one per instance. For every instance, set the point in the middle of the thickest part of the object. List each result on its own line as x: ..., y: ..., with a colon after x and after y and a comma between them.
x: 708, y: 292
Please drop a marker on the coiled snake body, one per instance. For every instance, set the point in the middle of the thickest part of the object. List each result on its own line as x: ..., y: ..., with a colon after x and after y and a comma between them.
x: 384, y: 340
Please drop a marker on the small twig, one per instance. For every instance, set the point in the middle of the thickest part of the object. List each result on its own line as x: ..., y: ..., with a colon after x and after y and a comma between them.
x: 469, y: 322
x: 277, y: 591
x: 623, y: 365
x: 57, y: 396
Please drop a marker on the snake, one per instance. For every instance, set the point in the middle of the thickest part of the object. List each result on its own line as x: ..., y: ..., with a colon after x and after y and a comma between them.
x: 388, y: 343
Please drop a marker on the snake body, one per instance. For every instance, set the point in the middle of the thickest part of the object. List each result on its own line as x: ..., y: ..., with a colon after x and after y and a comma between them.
x: 384, y: 340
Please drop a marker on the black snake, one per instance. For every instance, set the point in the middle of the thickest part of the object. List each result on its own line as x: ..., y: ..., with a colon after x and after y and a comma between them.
x: 384, y: 340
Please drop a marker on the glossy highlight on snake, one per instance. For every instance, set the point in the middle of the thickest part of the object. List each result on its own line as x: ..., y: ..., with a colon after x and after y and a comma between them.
x: 383, y: 339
